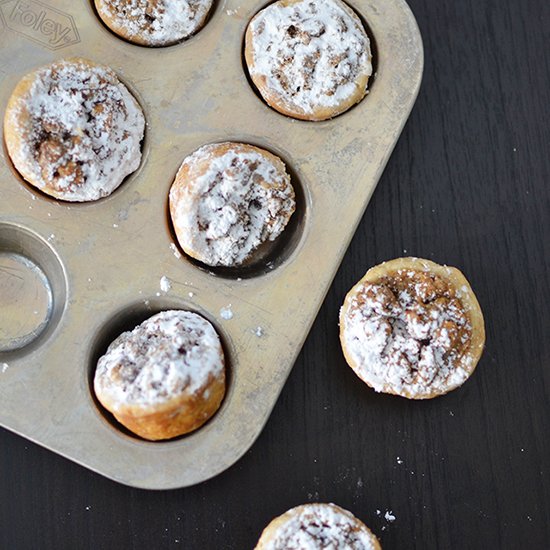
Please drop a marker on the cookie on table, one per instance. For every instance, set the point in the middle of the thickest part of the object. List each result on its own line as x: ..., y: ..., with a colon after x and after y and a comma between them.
x: 317, y: 527
x: 228, y: 199
x: 413, y: 328
x: 73, y: 130
x: 309, y: 60
x: 154, y: 22
x: 165, y: 378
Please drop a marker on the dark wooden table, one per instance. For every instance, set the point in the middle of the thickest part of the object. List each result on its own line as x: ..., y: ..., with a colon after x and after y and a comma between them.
x: 468, y: 185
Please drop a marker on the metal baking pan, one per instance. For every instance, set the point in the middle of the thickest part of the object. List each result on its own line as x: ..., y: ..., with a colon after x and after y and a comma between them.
x: 73, y: 276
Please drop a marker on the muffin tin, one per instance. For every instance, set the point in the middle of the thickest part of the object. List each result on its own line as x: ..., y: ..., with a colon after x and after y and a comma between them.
x: 74, y: 276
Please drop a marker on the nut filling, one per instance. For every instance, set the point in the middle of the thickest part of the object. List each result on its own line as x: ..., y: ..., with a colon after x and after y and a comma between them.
x: 409, y: 333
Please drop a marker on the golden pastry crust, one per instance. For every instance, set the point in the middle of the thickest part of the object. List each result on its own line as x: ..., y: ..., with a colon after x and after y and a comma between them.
x: 165, y: 378
x: 154, y: 22
x: 73, y: 130
x: 309, y: 60
x: 316, y: 526
x: 227, y: 200
x: 413, y: 328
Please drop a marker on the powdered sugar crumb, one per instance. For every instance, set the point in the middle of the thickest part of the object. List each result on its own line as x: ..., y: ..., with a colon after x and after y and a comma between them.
x: 259, y: 332
x: 388, y: 516
x: 175, y: 251
x: 4, y: 367
x: 165, y: 284
x: 226, y: 313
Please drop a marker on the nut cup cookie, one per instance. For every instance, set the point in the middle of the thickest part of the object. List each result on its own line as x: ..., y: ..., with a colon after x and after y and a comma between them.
x: 308, y: 59
x: 413, y: 328
x: 154, y: 22
x: 317, y: 527
x: 73, y: 130
x: 229, y: 199
x: 164, y: 378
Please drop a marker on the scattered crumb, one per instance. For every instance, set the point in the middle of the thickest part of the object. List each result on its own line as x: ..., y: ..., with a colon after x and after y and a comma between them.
x: 231, y: 12
x: 157, y: 294
x: 529, y: 518
x: 226, y: 313
x: 88, y: 507
x: 89, y: 279
x: 259, y: 332
x: 115, y: 225
x: 522, y: 449
x: 175, y: 250
x: 404, y: 251
x: 51, y: 237
x: 165, y: 284
x: 378, y: 512
x: 515, y: 149
x: 360, y: 483
x: 191, y: 294
x: 451, y: 413
x: 49, y: 215
x: 388, y: 516
x: 399, y: 461
x: 4, y: 367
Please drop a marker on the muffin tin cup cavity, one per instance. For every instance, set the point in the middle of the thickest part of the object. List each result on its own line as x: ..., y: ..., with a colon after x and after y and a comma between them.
x: 126, y: 319
x: 271, y: 254
x: 32, y: 290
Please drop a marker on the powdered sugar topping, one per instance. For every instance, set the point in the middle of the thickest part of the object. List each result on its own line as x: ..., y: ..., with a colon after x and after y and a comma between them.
x: 171, y: 353
x: 325, y: 526
x: 408, y: 334
x: 310, y: 53
x: 155, y: 22
x: 80, y: 129
x: 227, y: 200
x: 165, y: 284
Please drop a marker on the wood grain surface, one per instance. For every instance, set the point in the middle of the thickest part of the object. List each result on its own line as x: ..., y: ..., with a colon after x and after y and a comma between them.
x: 468, y: 185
